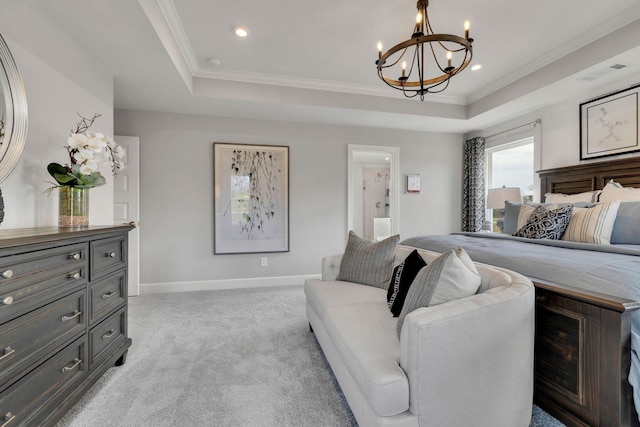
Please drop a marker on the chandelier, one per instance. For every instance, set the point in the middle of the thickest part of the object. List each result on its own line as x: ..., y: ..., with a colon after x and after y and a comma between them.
x: 451, y: 54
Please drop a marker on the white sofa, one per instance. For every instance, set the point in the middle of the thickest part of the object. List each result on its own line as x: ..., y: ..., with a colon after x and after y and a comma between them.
x: 466, y: 362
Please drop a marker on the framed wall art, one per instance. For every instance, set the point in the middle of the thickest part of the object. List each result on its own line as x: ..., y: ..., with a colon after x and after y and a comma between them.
x: 413, y: 183
x: 251, y: 198
x: 609, y: 124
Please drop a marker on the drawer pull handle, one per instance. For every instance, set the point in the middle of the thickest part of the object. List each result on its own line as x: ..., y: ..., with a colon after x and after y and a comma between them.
x: 112, y: 255
x: 7, y: 351
x: 7, y: 419
x: 74, y: 276
x: 109, y: 295
x: 75, y: 314
x: 7, y: 300
x: 76, y: 362
x: 7, y: 274
x: 75, y: 256
x: 108, y: 334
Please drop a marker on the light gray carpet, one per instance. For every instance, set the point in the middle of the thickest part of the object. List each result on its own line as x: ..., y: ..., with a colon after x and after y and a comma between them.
x: 221, y: 358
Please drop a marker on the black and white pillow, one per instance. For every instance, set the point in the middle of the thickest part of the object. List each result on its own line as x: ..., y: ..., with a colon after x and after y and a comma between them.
x: 546, y: 224
x: 401, y: 279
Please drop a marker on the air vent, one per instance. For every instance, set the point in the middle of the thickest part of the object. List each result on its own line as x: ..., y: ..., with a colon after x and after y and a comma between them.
x: 594, y: 75
x: 617, y: 66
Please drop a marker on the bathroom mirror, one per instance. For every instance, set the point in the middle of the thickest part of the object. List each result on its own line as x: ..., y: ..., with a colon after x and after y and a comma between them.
x: 13, y: 112
x: 373, y: 190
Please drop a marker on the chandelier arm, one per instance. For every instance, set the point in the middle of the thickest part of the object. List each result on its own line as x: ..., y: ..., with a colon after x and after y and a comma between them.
x: 433, y: 52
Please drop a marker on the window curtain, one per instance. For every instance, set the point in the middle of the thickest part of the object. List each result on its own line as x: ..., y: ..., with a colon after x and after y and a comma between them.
x: 473, y: 203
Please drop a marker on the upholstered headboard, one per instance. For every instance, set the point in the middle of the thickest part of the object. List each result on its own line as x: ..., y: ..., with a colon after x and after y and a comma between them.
x: 590, y: 176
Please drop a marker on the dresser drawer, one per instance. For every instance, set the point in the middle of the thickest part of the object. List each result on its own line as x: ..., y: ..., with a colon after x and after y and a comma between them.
x: 28, y: 339
x: 26, y: 280
x: 107, y: 255
x: 107, y: 335
x: 106, y: 295
x: 19, y: 403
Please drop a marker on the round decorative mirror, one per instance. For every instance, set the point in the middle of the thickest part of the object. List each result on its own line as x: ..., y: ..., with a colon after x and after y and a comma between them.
x: 13, y: 112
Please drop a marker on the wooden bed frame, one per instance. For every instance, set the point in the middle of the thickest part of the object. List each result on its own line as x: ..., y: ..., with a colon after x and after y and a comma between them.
x: 583, y: 338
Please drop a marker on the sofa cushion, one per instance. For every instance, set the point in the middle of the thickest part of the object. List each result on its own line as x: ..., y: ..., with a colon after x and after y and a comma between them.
x: 401, y: 279
x: 322, y: 294
x: 450, y: 276
x: 368, y: 263
x: 364, y: 336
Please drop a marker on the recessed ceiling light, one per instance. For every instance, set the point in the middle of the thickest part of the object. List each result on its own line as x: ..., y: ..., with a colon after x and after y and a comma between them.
x: 241, y: 31
x: 476, y: 67
x: 215, y: 62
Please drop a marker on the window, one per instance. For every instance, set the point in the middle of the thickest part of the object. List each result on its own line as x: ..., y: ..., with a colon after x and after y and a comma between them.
x: 511, y: 165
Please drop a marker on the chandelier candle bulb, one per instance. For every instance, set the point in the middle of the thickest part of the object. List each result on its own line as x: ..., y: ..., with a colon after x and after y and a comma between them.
x: 404, y: 67
x: 379, y: 50
x: 467, y: 27
x: 449, y: 54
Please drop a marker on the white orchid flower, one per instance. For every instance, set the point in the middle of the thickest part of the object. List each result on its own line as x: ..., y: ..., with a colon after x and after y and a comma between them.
x: 77, y: 140
x: 89, y: 167
x: 83, y: 155
x: 97, y: 142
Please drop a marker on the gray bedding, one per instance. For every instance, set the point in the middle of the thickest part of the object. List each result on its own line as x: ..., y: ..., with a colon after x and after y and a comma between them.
x: 608, y: 269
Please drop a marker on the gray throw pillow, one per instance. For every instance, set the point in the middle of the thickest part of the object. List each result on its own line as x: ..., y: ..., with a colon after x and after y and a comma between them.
x: 626, y: 229
x: 546, y: 224
x: 368, y: 263
x: 450, y: 276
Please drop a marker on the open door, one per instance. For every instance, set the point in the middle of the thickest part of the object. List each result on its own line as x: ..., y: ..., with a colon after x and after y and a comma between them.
x: 126, y: 205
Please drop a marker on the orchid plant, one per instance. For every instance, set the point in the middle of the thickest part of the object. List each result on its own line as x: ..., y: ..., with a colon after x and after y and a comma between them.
x: 87, y: 151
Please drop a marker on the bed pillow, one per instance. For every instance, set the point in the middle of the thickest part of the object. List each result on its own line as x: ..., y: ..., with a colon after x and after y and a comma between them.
x: 366, y: 262
x: 592, y: 225
x: 450, y: 276
x: 401, y: 279
x: 615, y: 191
x: 626, y: 228
x: 517, y: 214
x: 587, y: 196
x: 546, y: 224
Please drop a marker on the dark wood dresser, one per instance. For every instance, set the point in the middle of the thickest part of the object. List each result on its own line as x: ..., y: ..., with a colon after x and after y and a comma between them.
x: 63, y: 317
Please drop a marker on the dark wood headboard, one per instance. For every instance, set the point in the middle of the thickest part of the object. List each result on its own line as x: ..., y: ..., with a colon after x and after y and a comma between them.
x: 590, y: 176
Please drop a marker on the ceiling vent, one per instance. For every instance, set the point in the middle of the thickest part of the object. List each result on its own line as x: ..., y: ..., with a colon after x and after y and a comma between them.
x: 601, y: 73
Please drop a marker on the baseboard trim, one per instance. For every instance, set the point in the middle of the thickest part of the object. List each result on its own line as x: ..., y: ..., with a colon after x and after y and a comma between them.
x: 213, y: 285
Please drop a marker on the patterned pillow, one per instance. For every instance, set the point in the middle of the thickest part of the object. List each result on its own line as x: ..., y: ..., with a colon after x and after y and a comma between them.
x: 592, y: 225
x: 366, y: 262
x: 401, y: 279
x: 450, y: 276
x: 546, y: 224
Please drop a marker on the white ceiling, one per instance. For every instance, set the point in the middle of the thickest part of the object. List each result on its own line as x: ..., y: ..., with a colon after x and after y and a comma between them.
x: 313, y: 61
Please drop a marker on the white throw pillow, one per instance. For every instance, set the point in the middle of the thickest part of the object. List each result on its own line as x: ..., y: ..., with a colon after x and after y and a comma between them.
x: 588, y: 196
x: 614, y: 191
x: 592, y: 225
x: 450, y: 276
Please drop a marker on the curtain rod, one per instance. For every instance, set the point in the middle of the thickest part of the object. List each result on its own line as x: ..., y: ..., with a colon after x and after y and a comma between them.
x: 535, y: 122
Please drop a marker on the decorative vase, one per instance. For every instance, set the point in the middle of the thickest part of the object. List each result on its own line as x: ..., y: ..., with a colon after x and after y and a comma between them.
x: 73, y: 207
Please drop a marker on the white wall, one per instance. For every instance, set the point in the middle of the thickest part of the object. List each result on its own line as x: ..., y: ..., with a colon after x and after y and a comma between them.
x: 61, y: 79
x: 176, y: 194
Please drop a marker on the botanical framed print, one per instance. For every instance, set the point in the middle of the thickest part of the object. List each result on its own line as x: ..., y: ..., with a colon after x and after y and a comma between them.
x: 609, y: 124
x: 251, y: 198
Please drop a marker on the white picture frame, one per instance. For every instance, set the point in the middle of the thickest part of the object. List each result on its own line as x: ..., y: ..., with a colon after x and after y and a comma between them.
x: 413, y: 183
x: 251, y: 198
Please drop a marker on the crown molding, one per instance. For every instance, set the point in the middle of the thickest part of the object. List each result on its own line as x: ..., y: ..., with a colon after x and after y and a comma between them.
x: 188, y: 59
x: 627, y: 17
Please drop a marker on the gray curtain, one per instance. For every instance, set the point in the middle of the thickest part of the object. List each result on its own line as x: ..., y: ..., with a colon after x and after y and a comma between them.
x: 473, y: 207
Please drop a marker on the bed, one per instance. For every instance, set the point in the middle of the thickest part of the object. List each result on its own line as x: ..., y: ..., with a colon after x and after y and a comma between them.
x: 587, y: 304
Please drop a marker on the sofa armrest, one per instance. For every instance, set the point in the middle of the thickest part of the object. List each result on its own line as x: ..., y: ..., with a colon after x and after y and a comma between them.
x: 331, y: 267
x: 468, y: 355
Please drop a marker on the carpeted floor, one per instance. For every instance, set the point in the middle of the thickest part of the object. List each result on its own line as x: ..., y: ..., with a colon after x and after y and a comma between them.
x: 221, y: 358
